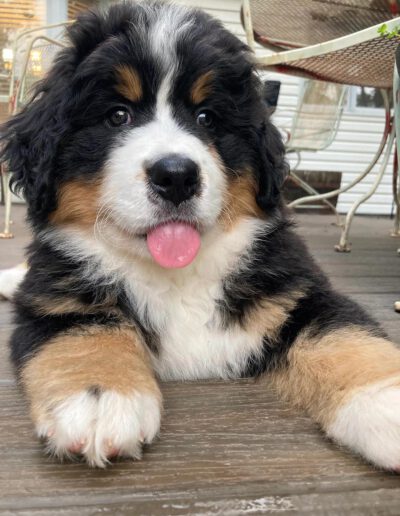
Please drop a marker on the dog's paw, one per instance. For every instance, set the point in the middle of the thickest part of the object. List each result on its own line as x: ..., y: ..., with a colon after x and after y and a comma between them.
x: 10, y: 280
x: 101, y: 425
x: 369, y: 424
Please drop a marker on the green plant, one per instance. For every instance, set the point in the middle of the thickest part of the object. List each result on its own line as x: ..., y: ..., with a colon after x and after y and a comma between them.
x: 383, y: 31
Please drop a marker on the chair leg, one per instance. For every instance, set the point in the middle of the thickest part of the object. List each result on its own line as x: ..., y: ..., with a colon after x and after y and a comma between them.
x: 344, y: 245
x: 396, y: 183
x: 309, y: 189
x: 397, y: 303
x: 396, y: 227
x: 7, y: 197
x: 357, y: 180
x: 396, y: 196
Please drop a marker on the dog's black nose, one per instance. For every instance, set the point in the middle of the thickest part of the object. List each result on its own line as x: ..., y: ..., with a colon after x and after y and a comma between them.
x: 174, y: 177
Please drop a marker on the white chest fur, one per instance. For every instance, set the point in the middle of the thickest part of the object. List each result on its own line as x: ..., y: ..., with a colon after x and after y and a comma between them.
x: 180, y: 305
x: 192, y: 342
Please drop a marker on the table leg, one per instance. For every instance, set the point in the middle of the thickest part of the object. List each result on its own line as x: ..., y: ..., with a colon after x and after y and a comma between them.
x: 396, y: 196
x: 344, y: 245
x: 7, y: 198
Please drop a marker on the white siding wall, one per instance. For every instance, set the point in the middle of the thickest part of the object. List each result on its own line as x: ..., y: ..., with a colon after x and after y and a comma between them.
x: 356, y: 142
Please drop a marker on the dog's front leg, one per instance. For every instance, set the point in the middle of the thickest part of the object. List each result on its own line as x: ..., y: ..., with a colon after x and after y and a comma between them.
x: 93, y: 392
x: 349, y: 381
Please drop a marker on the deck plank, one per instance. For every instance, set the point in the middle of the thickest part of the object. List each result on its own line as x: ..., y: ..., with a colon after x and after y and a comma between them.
x: 225, y: 447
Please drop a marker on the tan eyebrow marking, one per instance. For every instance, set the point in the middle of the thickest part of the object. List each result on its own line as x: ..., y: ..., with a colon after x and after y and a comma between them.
x: 129, y: 85
x: 201, y: 87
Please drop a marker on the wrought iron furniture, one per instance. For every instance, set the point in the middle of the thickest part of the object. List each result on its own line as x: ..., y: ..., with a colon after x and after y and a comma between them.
x: 363, y: 58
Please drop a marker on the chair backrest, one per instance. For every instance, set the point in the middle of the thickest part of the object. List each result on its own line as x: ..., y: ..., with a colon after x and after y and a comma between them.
x: 301, y: 23
x: 34, y: 51
x: 317, y: 115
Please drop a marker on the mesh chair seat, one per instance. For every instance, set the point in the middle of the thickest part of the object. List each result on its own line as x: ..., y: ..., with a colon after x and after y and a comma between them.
x: 301, y: 23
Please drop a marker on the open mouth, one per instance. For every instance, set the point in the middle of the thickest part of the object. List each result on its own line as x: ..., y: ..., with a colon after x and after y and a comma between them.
x: 173, y: 245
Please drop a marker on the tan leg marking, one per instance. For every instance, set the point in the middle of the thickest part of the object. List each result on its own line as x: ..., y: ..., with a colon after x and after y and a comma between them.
x: 111, y: 360
x: 93, y: 394
x: 323, y: 372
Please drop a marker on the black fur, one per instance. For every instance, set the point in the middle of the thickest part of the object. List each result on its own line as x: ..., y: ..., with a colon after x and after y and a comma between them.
x: 53, y: 277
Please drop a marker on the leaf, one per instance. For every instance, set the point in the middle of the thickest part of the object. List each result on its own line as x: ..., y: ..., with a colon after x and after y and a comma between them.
x: 382, y: 29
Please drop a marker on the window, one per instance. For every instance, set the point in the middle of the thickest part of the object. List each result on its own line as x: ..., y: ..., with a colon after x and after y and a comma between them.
x: 77, y: 6
x: 366, y: 99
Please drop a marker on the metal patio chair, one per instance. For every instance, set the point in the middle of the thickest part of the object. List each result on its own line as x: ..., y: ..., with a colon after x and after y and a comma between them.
x: 363, y: 58
x: 33, y: 53
x: 314, y: 125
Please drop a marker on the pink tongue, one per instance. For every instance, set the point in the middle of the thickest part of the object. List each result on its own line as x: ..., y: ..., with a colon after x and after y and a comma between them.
x: 173, y: 245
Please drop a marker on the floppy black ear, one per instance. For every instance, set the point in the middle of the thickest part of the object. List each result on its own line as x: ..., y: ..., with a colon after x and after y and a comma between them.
x: 273, y: 167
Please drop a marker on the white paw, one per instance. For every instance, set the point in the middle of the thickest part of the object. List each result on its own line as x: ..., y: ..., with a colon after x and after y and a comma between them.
x: 369, y: 424
x: 10, y: 280
x: 101, y: 426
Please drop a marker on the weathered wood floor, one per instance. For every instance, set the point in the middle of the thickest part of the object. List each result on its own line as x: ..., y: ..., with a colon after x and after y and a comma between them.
x: 225, y: 448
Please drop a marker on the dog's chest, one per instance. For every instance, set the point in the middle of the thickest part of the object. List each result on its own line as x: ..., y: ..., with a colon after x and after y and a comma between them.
x: 192, y: 341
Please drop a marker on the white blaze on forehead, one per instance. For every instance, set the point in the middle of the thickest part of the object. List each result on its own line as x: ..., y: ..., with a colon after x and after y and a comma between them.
x: 170, y: 24
x: 163, y: 108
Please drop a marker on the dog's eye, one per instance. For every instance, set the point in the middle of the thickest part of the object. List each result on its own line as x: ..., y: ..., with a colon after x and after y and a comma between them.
x: 120, y: 117
x: 205, y: 118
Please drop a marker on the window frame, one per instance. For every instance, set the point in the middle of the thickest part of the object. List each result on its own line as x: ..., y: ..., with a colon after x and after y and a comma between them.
x: 56, y: 11
x: 357, y: 110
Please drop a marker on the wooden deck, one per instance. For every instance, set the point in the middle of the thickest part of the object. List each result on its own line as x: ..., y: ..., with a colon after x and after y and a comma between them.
x: 225, y: 448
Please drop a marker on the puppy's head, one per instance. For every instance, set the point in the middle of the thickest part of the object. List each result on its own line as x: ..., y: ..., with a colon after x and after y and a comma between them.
x: 151, y: 122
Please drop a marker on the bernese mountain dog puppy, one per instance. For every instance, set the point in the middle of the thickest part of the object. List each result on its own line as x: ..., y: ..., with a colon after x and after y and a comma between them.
x: 162, y: 249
